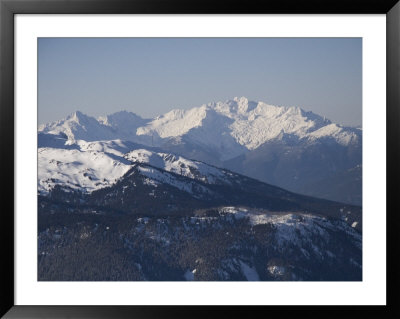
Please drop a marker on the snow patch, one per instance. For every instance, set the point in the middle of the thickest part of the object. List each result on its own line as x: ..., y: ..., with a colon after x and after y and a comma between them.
x: 249, y: 272
x: 276, y: 270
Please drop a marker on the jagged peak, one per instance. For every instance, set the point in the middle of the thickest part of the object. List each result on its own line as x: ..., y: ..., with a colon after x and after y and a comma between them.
x: 78, y: 117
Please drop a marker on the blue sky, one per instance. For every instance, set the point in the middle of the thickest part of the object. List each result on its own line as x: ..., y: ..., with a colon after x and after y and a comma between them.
x: 150, y: 76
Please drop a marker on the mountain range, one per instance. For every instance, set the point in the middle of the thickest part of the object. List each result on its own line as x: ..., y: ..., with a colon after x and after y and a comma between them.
x: 283, y: 146
x: 207, y: 193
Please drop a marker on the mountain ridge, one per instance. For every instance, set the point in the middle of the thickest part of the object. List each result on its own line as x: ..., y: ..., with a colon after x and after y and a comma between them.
x: 245, y: 123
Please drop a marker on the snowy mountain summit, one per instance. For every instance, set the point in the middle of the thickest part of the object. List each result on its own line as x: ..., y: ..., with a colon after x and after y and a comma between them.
x: 78, y: 126
x: 245, y: 123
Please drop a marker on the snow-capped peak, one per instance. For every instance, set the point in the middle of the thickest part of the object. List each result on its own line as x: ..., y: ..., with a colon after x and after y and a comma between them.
x: 77, y: 116
x: 78, y: 126
x: 121, y: 118
x: 236, y: 124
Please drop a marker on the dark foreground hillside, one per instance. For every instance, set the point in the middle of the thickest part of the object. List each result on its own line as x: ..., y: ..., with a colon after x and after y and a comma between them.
x: 213, y: 244
x: 157, y: 225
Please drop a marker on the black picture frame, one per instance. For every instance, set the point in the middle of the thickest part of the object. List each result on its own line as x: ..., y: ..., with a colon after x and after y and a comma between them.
x: 8, y: 8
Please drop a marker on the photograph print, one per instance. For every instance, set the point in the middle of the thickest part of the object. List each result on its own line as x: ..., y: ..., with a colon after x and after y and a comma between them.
x: 199, y: 159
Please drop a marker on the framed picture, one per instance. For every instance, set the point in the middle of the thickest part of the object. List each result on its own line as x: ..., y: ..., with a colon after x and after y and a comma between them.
x: 163, y: 158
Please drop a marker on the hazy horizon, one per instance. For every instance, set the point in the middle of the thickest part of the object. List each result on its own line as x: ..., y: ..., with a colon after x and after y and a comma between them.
x: 151, y: 76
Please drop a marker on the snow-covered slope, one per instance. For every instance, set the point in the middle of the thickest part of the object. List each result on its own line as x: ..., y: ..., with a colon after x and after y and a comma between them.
x: 93, y: 165
x: 124, y: 124
x: 179, y: 165
x: 76, y: 169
